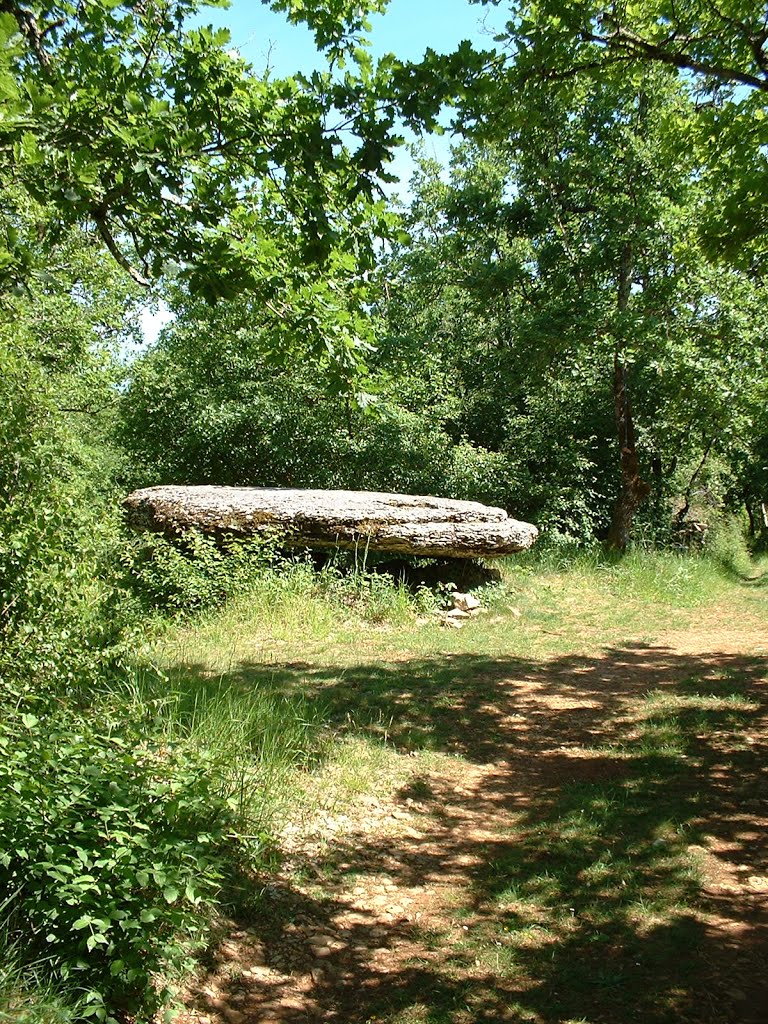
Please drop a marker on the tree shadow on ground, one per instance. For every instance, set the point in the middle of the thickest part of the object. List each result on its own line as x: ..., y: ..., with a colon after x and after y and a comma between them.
x: 564, y: 855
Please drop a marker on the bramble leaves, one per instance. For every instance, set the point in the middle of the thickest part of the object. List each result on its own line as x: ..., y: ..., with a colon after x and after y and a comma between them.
x: 149, y: 823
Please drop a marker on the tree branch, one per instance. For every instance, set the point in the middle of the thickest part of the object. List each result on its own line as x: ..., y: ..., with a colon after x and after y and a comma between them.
x: 102, y: 227
x: 629, y: 42
x: 30, y: 29
x: 689, y: 489
x: 86, y: 410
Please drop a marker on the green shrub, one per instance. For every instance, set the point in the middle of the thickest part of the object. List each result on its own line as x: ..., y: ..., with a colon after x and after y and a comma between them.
x: 60, y: 614
x: 476, y: 474
x: 110, y: 848
x: 194, y: 571
x: 726, y: 544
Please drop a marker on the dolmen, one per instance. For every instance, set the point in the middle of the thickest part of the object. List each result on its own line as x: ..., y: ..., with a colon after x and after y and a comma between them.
x: 404, y: 524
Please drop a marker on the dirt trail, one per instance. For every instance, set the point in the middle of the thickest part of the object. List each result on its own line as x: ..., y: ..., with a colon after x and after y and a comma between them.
x: 400, y: 917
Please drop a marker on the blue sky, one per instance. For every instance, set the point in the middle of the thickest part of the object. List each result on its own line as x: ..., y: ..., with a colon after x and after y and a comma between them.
x: 407, y: 28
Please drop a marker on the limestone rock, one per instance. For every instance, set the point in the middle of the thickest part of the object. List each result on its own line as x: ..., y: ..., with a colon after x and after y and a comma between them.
x: 399, y: 523
x: 465, y: 602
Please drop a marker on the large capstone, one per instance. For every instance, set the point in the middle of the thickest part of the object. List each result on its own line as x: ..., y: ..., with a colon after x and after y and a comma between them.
x: 406, y: 524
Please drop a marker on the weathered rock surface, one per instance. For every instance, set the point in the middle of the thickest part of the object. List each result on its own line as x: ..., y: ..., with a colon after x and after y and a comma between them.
x: 400, y: 523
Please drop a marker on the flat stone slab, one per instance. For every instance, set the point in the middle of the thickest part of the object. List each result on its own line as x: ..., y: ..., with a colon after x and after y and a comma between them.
x: 398, y: 523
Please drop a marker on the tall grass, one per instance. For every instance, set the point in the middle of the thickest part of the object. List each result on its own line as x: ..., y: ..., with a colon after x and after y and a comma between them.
x: 680, y: 578
x: 251, y: 742
x: 26, y: 994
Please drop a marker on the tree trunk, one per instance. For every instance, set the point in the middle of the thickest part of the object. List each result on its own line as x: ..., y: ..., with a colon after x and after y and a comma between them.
x: 633, y: 490
x: 686, y: 507
x: 750, y: 516
x: 657, y: 469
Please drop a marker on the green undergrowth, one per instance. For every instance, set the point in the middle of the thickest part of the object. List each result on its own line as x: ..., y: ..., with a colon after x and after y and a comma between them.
x: 26, y: 993
x: 593, y: 891
x: 115, y: 848
x: 141, y: 813
x: 559, y: 596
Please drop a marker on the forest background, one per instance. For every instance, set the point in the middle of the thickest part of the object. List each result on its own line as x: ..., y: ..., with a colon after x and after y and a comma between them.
x: 566, y: 319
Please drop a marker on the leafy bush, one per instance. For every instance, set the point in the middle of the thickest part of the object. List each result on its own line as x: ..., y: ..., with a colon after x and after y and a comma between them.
x: 60, y: 614
x: 726, y: 544
x: 476, y: 474
x: 200, y: 411
x: 109, y: 849
x: 195, y: 571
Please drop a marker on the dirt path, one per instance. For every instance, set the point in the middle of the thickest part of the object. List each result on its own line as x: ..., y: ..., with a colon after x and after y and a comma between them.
x: 593, y: 850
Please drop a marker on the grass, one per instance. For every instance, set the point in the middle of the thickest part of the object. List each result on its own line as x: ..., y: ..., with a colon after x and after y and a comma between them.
x: 271, y: 681
x: 313, y: 694
x: 26, y: 997
x: 565, y: 595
